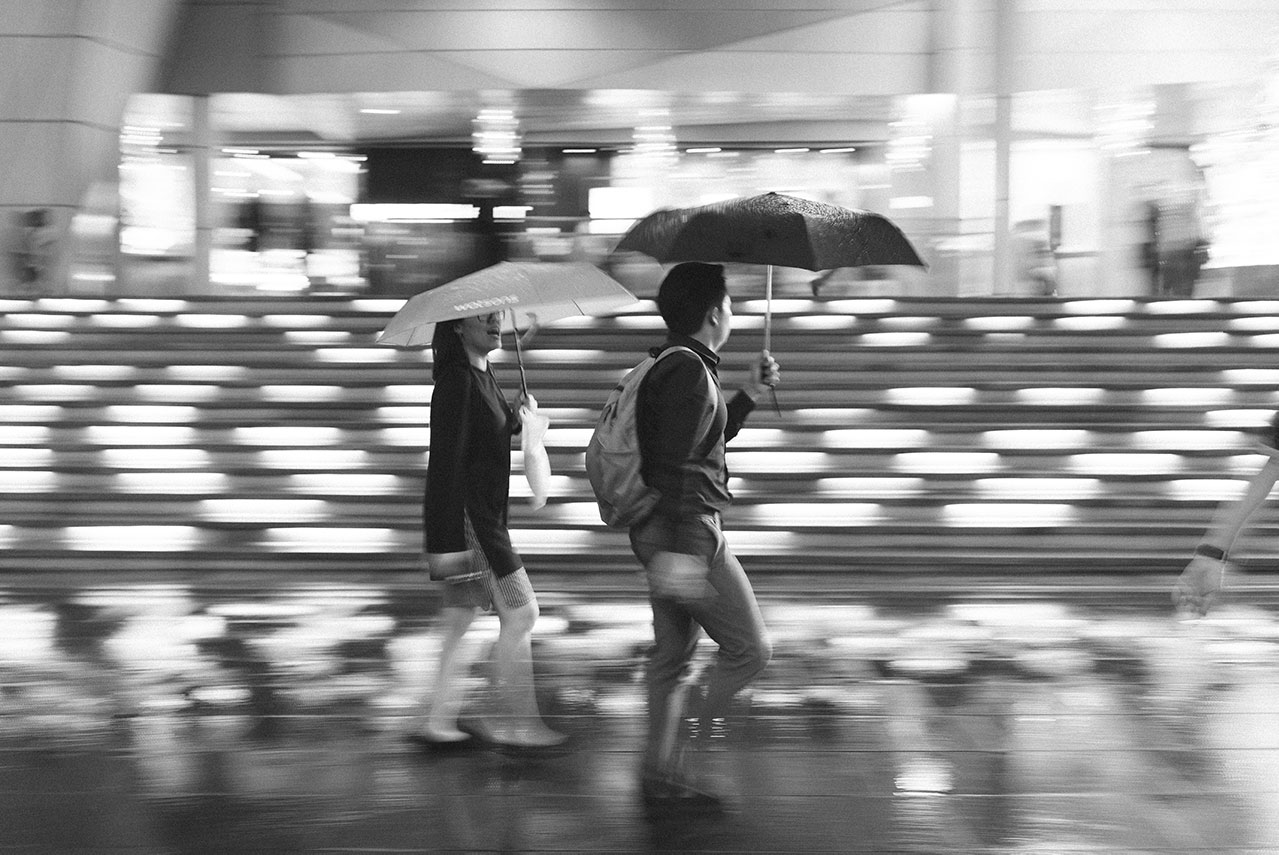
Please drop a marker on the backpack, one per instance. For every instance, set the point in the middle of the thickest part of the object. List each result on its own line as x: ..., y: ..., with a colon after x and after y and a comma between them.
x: 613, y: 453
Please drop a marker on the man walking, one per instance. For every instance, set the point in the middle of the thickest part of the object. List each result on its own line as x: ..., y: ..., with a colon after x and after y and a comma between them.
x: 695, y: 581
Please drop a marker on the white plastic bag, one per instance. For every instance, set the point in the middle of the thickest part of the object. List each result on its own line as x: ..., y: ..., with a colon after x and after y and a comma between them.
x: 537, y: 465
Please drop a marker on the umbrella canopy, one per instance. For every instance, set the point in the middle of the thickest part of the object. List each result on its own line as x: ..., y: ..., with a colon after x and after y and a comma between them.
x: 532, y: 291
x: 773, y: 229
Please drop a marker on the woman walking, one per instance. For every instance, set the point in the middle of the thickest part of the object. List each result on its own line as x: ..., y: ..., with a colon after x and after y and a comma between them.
x: 469, y: 549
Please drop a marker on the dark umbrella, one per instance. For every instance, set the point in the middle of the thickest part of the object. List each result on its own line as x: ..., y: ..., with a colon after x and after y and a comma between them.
x: 775, y: 230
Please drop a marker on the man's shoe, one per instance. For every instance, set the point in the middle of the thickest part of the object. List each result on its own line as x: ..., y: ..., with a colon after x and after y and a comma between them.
x: 668, y: 795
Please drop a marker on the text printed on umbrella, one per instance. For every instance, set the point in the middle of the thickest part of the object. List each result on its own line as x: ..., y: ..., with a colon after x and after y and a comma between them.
x: 487, y: 303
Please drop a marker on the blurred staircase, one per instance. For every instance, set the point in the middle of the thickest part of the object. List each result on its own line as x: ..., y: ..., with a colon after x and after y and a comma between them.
x: 942, y: 436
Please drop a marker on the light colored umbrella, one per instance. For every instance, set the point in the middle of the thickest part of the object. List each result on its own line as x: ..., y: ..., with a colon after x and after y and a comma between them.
x: 534, y: 292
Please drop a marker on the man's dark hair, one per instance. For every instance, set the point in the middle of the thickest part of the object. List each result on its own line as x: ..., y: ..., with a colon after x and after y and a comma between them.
x: 688, y: 292
x: 446, y: 347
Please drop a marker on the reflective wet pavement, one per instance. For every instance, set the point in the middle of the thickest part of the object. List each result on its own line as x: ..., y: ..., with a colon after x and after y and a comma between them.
x: 152, y: 716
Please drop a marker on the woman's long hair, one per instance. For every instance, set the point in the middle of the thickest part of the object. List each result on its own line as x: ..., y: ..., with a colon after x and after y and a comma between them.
x: 446, y: 348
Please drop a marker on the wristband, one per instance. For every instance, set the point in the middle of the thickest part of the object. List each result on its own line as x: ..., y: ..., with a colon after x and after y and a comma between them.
x: 1207, y: 550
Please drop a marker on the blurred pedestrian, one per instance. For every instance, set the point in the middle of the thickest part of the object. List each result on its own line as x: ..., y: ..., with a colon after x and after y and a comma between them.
x: 32, y: 254
x: 468, y: 546
x: 695, y: 581
x: 1201, y: 582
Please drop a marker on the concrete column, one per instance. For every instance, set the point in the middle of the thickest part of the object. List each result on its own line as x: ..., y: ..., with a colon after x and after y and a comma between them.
x: 1004, y: 61
x: 201, y: 159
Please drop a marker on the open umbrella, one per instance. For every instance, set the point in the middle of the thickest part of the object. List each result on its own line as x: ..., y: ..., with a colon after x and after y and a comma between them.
x: 771, y: 229
x: 532, y: 293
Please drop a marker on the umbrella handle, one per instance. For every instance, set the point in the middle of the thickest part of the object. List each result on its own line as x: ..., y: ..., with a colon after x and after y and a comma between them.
x: 768, y: 328
x: 519, y: 356
x: 768, y: 307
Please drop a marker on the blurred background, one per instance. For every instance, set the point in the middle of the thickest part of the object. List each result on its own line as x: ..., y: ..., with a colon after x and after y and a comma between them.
x: 181, y: 147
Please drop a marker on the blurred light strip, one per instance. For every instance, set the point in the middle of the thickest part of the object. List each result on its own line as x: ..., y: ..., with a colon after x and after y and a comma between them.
x: 330, y: 337
x: 931, y: 396
x: 1246, y: 465
x: 1188, y: 440
x: 555, y: 540
x: 303, y: 394
x: 1011, y: 515
x: 869, y: 488
x: 40, y: 321
x: 132, y: 538
x: 185, y: 483
x: 640, y: 322
x: 1090, y: 323
x: 1212, y: 338
x: 30, y: 412
x: 378, y: 305
x: 1257, y: 307
x: 755, y: 542
x: 1268, y: 341
x: 152, y: 413
x: 163, y: 459
x: 8, y: 540
x: 53, y: 391
x: 152, y: 435
x: 869, y: 438
x: 150, y: 304
x: 1262, y: 324
x: 1056, y: 489
x: 1187, y: 396
x: 1098, y: 307
x: 895, y: 339
x: 564, y: 513
x: 297, y: 321
x: 25, y: 458
x: 813, y: 514
x: 819, y: 323
x: 35, y: 337
x: 747, y: 437
x: 180, y: 392
x: 88, y: 306
x: 864, y: 306
x: 353, y: 483
x: 419, y: 395
x: 1118, y: 464
x: 1250, y: 377
x: 287, y: 436
x: 1182, y: 307
x: 211, y: 322
x: 1037, y: 439
x: 836, y: 415
x: 1000, y: 322
x: 415, y: 437
x: 208, y: 373
x: 24, y: 434
x: 120, y: 321
x: 28, y: 481
x: 1242, y: 419
x: 1061, y: 396
x: 94, y: 373
x: 425, y: 212
x: 402, y: 414
x: 324, y: 540
x: 263, y: 510
x: 310, y: 459
x: 759, y: 462
x: 571, y: 438
x: 1205, y: 489
x: 947, y: 462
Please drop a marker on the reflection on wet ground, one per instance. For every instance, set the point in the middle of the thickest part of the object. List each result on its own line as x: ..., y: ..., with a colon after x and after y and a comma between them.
x: 152, y: 717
